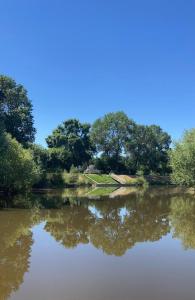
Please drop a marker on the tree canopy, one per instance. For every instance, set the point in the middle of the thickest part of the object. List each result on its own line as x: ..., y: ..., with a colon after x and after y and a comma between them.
x: 148, y: 149
x: 110, y: 133
x: 72, y: 139
x: 128, y: 147
x: 16, y: 111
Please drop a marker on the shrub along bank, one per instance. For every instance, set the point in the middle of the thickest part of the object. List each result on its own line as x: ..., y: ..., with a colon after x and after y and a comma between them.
x: 62, y: 180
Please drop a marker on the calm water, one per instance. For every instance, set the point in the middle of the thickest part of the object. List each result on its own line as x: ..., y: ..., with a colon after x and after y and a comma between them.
x: 98, y: 244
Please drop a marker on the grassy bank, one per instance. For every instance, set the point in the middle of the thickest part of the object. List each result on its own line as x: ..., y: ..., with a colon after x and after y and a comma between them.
x: 101, y: 179
x: 64, y: 179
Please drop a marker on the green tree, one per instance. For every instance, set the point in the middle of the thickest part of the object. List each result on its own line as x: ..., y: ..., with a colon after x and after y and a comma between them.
x: 182, y: 160
x: 109, y: 164
x: 147, y: 149
x: 59, y: 159
x: 16, y: 110
x: 110, y: 133
x: 40, y: 156
x: 71, y: 144
x: 17, y: 168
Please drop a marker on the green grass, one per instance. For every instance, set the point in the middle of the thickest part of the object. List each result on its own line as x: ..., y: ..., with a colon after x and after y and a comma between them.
x: 101, y: 179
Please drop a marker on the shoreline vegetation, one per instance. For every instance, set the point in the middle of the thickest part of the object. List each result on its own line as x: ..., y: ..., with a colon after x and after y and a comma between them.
x: 113, y: 151
x: 68, y: 180
x: 61, y: 180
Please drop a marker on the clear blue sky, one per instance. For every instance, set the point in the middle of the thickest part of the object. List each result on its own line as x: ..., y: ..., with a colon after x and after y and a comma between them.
x: 84, y: 58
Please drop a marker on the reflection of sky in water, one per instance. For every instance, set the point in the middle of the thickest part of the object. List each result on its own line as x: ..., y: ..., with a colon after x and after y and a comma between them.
x: 95, y: 212
x: 122, y: 213
x: 125, y: 213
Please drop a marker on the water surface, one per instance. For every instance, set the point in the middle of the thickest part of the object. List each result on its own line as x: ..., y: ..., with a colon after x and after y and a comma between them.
x: 98, y: 244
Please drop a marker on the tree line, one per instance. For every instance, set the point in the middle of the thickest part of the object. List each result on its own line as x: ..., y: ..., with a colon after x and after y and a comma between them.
x: 113, y: 143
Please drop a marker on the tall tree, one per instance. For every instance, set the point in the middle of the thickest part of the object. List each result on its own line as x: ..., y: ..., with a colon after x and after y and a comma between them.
x: 72, y: 138
x: 110, y: 133
x: 148, y: 149
x: 16, y: 111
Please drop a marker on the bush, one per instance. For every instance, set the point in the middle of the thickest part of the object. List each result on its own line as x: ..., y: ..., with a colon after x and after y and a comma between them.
x: 61, y: 180
x: 40, y: 156
x: 182, y: 160
x: 17, y: 168
x: 74, y: 170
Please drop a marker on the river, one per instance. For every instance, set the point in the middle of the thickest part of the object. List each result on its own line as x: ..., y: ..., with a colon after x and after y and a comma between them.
x: 100, y: 244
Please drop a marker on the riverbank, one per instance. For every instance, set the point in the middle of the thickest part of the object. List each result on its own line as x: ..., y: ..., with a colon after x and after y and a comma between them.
x: 65, y: 180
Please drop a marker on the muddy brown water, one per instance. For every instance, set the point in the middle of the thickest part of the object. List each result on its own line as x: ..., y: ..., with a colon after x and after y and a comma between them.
x: 98, y: 244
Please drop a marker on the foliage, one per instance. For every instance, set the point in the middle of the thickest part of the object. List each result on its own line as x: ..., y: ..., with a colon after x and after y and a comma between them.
x: 126, y: 147
x: 110, y: 164
x: 17, y: 168
x: 61, y: 179
x: 158, y: 180
x: 182, y: 160
x: 110, y: 133
x: 147, y: 150
x: 16, y: 111
x: 72, y: 144
x: 40, y: 156
x: 74, y: 169
x: 58, y: 159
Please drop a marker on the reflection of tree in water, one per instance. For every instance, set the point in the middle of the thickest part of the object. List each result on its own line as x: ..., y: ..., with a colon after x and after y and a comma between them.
x: 111, y: 225
x: 182, y: 218
x: 122, y: 226
x: 70, y: 226
x: 16, y: 241
x: 30, y: 201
